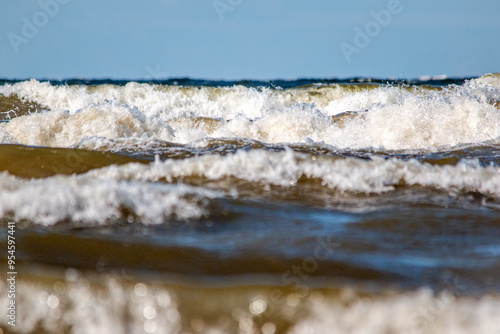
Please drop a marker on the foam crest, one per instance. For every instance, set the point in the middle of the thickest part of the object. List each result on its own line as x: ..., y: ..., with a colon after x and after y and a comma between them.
x: 176, y: 101
x: 418, y: 312
x: 61, y: 129
x: 113, y: 305
x: 398, y: 119
x: 490, y: 79
x: 131, y: 191
x: 390, y: 118
x: 96, y: 201
x: 343, y: 174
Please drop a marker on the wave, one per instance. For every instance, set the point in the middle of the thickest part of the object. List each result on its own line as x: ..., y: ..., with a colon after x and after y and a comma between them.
x: 97, y: 201
x: 344, y: 116
x: 161, y: 190
x: 288, y: 168
x: 111, y: 304
x: 187, y: 188
x: 418, y: 312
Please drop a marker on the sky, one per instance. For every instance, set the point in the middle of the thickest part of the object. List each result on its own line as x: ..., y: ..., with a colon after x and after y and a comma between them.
x: 247, y: 39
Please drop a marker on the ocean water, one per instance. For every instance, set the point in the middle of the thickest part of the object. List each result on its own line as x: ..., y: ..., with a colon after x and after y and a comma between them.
x: 307, y: 206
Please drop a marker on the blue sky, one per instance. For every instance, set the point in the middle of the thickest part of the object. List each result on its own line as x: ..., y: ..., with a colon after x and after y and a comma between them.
x: 254, y: 39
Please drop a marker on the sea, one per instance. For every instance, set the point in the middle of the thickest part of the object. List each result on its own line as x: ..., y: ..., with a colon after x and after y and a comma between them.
x: 289, y: 206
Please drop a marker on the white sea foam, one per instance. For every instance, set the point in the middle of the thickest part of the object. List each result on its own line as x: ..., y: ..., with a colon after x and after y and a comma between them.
x: 433, y: 77
x: 114, y: 306
x: 345, y: 175
x: 97, y: 201
x: 411, y: 313
x: 491, y: 80
x: 395, y: 117
x: 112, y: 192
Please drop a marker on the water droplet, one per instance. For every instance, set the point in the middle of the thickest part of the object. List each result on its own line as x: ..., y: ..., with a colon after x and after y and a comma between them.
x: 164, y: 299
x: 150, y: 326
x: 42, y: 297
x: 53, y: 301
x: 258, y: 306
x: 268, y: 328
x: 140, y: 289
x: 246, y: 324
x: 149, y: 312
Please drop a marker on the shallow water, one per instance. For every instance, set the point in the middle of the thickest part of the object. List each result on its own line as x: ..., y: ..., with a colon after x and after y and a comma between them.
x: 222, y: 207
